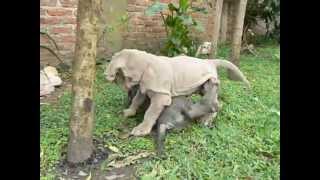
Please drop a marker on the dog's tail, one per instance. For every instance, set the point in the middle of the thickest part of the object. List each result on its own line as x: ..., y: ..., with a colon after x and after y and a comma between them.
x: 233, y: 68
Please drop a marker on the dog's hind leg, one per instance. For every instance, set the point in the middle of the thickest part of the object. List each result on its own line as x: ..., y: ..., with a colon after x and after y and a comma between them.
x: 160, y: 138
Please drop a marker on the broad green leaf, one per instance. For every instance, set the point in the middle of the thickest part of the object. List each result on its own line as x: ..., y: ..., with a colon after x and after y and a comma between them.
x: 175, y: 41
x: 155, y: 8
x: 170, y: 21
x: 172, y: 7
x: 183, y: 5
x: 198, y: 9
x: 124, y: 18
x: 186, y: 19
x: 198, y: 26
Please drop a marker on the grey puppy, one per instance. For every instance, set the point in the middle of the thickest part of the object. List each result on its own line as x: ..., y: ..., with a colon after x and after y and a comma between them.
x: 182, y: 111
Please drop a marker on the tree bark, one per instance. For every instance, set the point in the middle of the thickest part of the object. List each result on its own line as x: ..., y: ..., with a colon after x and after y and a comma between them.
x: 216, y: 27
x: 224, y: 22
x: 240, y: 11
x: 80, y: 146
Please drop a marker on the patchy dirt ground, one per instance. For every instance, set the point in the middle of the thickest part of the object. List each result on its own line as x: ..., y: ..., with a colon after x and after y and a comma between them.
x: 105, y: 164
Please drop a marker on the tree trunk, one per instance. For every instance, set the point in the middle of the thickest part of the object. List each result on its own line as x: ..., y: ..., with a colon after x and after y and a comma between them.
x: 224, y: 22
x: 240, y: 11
x: 80, y: 145
x: 216, y: 27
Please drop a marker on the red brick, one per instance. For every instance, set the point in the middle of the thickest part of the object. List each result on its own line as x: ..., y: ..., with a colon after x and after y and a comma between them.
x: 161, y: 35
x: 165, y: 1
x: 140, y: 29
x: 68, y: 52
x: 69, y: 3
x: 158, y: 29
x: 141, y: 43
x: 59, y: 12
x: 61, y: 30
x: 140, y: 8
x: 50, y: 20
x: 42, y: 11
x: 70, y: 20
x: 150, y: 23
x: 195, y: 15
x: 131, y: 2
x: 51, y: 3
x: 138, y: 35
x: 148, y: 29
x: 141, y: 2
x: 137, y: 22
x: 157, y: 18
x: 65, y: 46
x: 44, y: 40
x: 131, y: 8
x: 150, y: 35
x: 68, y: 39
x: 142, y: 18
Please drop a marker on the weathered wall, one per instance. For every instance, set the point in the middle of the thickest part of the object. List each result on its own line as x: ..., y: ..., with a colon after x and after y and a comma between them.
x: 112, y: 40
x: 148, y: 33
x: 58, y: 17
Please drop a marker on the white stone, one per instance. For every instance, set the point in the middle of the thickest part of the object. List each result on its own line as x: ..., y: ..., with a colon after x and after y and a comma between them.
x: 49, y: 78
x: 81, y: 173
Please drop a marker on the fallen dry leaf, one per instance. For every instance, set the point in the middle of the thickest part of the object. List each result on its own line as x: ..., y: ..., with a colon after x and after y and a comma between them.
x: 113, y: 148
x: 129, y: 160
x: 82, y: 173
x: 89, y: 177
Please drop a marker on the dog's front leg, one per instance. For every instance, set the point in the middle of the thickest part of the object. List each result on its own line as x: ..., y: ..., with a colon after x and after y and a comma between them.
x: 158, y: 102
x: 137, y: 101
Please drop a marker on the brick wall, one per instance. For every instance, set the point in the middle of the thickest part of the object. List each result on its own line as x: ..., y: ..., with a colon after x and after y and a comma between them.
x: 148, y: 33
x: 58, y: 17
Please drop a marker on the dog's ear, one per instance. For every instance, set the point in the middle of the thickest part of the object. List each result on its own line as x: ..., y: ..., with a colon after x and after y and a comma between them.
x: 112, y: 69
x: 111, y: 74
x: 117, y: 63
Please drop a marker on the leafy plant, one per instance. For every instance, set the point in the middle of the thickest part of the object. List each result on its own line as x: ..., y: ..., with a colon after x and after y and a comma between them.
x: 111, y: 28
x: 177, y: 24
x: 106, y: 33
x: 268, y: 11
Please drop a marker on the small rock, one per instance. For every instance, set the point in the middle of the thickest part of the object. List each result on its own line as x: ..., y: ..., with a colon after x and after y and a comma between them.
x: 124, y: 135
x: 49, y: 78
x: 95, y: 160
x: 51, y: 71
x: 65, y: 172
x: 81, y: 173
x: 111, y: 177
x: 55, y: 80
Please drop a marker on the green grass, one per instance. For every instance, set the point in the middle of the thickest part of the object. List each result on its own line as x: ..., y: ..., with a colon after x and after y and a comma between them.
x: 246, y: 142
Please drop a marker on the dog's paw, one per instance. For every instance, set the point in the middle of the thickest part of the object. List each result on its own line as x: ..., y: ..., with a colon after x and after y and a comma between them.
x: 141, y: 130
x: 129, y: 112
x: 208, y: 119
